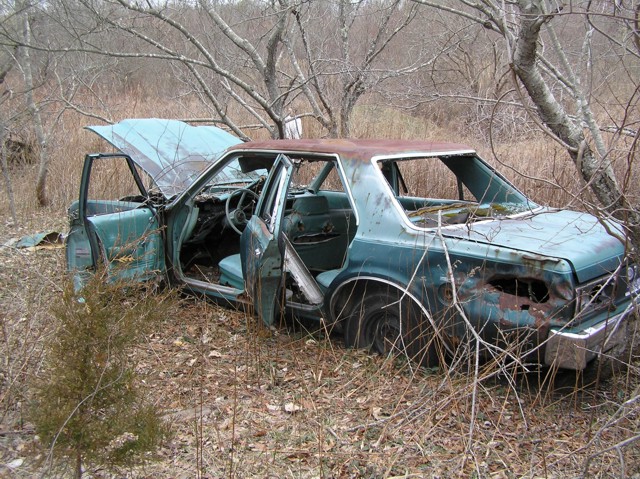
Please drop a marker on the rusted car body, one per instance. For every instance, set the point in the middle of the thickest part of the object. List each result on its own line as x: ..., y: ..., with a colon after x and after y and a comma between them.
x: 412, y: 247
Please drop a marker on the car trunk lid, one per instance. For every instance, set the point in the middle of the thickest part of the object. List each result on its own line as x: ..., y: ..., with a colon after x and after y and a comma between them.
x: 579, y: 238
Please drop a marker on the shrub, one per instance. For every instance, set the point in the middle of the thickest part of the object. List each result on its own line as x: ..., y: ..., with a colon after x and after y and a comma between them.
x: 87, y: 407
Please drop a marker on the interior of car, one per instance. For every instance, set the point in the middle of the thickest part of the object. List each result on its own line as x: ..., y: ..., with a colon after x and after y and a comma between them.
x: 318, y: 224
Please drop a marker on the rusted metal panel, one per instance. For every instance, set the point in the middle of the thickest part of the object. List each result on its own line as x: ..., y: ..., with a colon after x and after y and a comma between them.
x: 548, y: 234
x: 356, y: 149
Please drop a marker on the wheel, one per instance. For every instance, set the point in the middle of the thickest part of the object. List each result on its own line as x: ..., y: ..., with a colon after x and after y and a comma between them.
x: 384, y: 323
x: 238, y: 218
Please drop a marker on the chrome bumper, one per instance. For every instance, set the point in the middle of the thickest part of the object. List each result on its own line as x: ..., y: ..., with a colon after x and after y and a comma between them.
x: 574, y: 350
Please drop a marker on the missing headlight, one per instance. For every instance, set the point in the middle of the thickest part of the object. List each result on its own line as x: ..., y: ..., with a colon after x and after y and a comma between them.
x: 533, y: 289
x: 596, y: 295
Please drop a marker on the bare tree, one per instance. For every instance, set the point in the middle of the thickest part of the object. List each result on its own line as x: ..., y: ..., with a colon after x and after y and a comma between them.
x: 558, y: 92
x: 251, y: 63
x: 340, y: 70
x: 8, y: 61
x: 32, y: 105
x: 16, y: 40
x: 5, y: 67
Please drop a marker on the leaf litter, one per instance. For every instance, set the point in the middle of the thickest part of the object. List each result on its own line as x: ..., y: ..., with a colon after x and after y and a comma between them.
x: 244, y: 401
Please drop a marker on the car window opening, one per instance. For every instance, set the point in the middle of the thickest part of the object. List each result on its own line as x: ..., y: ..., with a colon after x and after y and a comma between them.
x: 318, y: 223
x: 450, y: 190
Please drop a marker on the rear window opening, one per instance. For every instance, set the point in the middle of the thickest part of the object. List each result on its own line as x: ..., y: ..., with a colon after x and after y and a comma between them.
x: 449, y: 190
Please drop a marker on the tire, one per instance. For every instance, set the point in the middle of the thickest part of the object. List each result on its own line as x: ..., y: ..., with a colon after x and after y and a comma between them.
x: 384, y: 324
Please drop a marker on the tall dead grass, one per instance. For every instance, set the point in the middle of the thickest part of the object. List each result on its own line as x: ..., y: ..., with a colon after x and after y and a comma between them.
x: 536, y: 164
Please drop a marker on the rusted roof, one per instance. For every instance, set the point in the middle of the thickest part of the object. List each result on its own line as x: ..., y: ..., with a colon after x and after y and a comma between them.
x: 354, y: 148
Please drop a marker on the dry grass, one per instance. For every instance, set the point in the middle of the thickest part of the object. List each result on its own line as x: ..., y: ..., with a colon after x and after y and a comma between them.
x: 537, y: 165
x: 245, y: 402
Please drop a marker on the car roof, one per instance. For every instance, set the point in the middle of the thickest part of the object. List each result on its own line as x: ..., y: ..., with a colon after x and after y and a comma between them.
x: 357, y: 149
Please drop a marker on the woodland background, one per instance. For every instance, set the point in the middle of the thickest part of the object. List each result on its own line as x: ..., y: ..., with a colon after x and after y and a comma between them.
x: 548, y: 92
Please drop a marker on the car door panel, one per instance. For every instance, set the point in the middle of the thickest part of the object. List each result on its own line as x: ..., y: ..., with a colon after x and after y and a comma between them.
x: 130, y: 243
x: 121, y: 235
x: 261, y: 251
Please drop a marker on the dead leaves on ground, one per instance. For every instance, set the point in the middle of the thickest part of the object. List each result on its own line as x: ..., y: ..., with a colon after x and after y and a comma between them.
x: 288, y: 403
x: 291, y: 401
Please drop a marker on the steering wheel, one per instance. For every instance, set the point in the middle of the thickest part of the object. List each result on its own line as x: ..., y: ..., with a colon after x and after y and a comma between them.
x: 238, y: 217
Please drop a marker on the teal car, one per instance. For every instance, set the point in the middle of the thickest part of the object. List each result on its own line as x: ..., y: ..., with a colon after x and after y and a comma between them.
x: 413, y: 248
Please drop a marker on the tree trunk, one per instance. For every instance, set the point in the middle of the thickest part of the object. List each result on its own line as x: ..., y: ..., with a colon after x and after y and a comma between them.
x: 4, y: 96
x: 43, y: 168
x: 596, y: 172
x: 5, y: 174
x: 78, y: 471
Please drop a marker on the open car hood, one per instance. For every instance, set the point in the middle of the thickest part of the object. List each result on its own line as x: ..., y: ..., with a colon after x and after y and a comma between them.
x: 172, y: 152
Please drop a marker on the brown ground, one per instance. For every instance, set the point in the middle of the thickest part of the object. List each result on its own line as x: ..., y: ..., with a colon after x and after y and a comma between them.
x: 245, y: 402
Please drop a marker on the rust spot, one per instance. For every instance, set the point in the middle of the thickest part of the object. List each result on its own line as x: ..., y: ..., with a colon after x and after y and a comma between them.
x: 536, y: 260
x: 356, y: 149
x: 529, y: 290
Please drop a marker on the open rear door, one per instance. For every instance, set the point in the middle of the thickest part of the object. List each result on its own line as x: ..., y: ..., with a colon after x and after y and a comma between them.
x: 261, y: 250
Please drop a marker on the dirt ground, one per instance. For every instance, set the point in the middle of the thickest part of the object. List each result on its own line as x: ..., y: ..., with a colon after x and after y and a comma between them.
x: 243, y: 401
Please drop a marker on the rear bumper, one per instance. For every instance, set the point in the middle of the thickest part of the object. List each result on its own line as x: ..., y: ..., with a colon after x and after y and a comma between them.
x: 573, y: 350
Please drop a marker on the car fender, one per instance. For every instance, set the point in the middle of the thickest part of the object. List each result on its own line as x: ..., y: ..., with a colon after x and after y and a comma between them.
x: 350, y: 288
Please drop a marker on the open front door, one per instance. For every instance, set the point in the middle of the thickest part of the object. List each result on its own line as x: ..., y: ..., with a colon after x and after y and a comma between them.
x: 113, y: 223
x: 261, y: 250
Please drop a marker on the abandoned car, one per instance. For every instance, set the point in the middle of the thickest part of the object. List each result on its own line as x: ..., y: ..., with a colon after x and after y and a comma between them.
x: 413, y: 247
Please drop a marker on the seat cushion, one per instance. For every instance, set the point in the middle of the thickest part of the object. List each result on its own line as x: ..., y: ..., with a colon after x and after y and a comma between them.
x: 231, y: 272
x: 311, y: 205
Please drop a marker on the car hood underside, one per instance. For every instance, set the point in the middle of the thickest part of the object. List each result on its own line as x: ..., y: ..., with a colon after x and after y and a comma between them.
x: 172, y: 152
